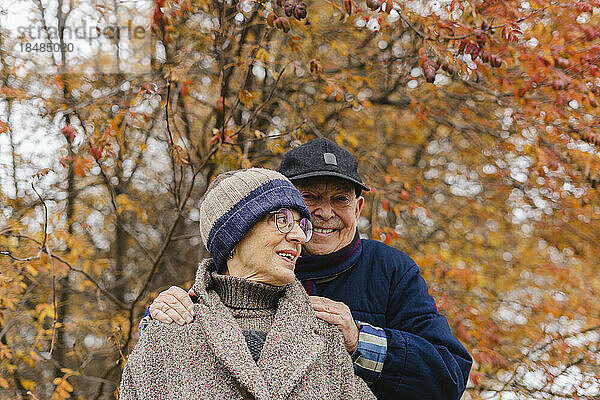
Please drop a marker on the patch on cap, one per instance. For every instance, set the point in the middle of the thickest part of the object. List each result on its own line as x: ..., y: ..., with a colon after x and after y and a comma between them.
x: 330, y: 159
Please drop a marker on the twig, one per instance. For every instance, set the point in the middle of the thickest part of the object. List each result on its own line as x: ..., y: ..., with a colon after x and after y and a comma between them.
x: 263, y: 104
x: 176, y: 186
x: 54, y: 321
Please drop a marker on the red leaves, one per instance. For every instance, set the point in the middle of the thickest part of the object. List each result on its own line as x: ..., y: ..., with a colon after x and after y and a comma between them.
x: 282, y: 23
x: 185, y: 87
x: 430, y: 68
x: 222, y: 105
x: 479, y: 37
x: 96, y: 152
x: 66, y: 160
x: 453, y: 4
x: 42, y: 172
x: 428, y: 65
x: 476, y: 49
x: 271, y: 19
x: 495, y: 62
x: 300, y: 11
x: 69, y: 132
x: 511, y: 32
x: 348, y: 6
x: 591, y: 138
x: 149, y: 88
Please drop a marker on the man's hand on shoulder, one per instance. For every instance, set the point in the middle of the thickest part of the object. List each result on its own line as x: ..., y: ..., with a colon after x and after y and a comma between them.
x: 174, y: 304
x: 338, y: 314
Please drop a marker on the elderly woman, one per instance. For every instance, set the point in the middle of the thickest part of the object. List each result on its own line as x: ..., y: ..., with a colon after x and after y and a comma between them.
x: 255, y: 335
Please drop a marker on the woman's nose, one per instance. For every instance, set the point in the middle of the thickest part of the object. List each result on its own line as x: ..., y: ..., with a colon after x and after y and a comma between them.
x: 296, y: 234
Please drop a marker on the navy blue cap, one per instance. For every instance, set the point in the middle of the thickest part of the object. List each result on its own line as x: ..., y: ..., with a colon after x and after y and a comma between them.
x: 321, y: 157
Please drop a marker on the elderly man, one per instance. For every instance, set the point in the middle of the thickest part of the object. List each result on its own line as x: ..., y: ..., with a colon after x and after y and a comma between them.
x: 401, y: 346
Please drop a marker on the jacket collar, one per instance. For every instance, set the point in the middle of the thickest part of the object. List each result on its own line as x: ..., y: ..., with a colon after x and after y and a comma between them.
x: 292, y: 344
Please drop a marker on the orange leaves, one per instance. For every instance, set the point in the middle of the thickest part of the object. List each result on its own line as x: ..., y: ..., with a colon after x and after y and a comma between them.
x: 511, y: 32
x: 335, y: 90
x: 42, y: 172
x: 3, y: 127
x: 81, y: 166
x: 490, y: 358
x: 246, y: 98
x: 348, y: 6
x: 453, y: 5
x: 179, y: 155
x: 222, y: 106
x: 219, y: 138
x: 294, y: 43
x: 185, y: 87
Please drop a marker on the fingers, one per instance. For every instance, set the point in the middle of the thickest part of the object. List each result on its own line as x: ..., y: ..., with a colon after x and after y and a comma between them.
x: 324, y: 304
x: 333, y: 319
x: 184, y: 300
x: 160, y: 316
x: 174, y: 304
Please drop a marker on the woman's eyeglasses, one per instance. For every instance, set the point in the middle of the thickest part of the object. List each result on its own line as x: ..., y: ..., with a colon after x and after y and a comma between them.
x: 284, y: 220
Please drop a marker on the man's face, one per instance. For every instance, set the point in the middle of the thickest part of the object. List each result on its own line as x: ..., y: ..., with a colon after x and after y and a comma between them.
x: 334, y: 208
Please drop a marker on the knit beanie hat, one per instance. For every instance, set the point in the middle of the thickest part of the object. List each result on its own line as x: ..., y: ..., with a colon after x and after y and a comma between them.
x: 235, y: 201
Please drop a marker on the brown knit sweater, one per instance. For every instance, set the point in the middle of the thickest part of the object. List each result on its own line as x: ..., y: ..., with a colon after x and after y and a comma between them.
x: 302, y: 358
x: 252, y: 304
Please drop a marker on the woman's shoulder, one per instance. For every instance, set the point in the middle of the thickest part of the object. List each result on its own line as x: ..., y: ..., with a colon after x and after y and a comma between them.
x: 158, y: 332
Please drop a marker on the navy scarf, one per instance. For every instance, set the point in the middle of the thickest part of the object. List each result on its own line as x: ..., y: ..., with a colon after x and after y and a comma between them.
x: 313, y: 268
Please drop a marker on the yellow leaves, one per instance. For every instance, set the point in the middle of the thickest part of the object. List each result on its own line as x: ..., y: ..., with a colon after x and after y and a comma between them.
x: 342, y: 137
x: 27, y: 384
x: 258, y: 134
x: 3, y: 383
x: 276, y: 147
x: 63, y: 389
x: 45, y: 310
x: 246, y: 98
x: 12, y: 93
x: 5, y: 352
x: 124, y: 203
x: 262, y: 55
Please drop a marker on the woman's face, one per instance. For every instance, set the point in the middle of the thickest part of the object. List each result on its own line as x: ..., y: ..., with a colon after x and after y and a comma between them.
x: 267, y: 255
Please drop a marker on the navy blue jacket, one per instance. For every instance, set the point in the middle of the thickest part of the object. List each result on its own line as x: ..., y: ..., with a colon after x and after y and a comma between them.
x: 424, y: 360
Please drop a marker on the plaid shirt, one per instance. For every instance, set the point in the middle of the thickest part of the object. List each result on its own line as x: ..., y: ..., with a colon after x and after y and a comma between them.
x: 370, y: 354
